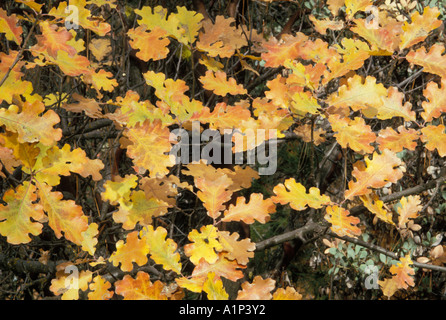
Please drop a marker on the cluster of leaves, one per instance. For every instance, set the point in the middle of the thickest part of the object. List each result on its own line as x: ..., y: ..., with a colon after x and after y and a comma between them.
x: 124, y: 222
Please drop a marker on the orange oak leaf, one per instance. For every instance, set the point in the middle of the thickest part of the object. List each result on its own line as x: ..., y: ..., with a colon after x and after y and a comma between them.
x: 436, y: 100
x: 9, y: 26
x: 433, y: 61
x: 354, y: 134
x: 71, y: 65
x: 241, y: 250
x: 217, y: 82
x: 402, y: 273
x: 388, y: 286
x: 223, y: 116
x: 204, y: 245
x: 32, y: 123
x: 100, y: 80
x: 295, y: 194
x: 151, y: 45
x: 213, y: 286
x: 259, y: 289
x: 100, y: 48
x: 134, y: 249
x: 380, y: 170
x: 99, y: 289
x: 286, y: 294
x: 162, y: 250
x: 89, y: 106
x: 222, y: 268
x: 140, y: 288
x: 23, y: 153
x: 396, y: 141
x: 149, y: 143
x: 213, y: 192
x: 383, y: 40
x: 89, y: 238
x: 279, y: 51
x: 409, y: 209
x: 256, y: 209
x: 65, y: 217
x: 419, y: 27
x: 341, y: 222
x: 20, y: 216
x: 435, y: 138
x: 165, y: 189
x: 220, y: 38
x: 54, y: 38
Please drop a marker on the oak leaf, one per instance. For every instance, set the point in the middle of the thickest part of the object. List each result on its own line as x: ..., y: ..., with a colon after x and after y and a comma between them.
x: 354, y: 134
x: 21, y: 215
x: 240, y: 250
x: 205, y: 245
x: 162, y: 250
x: 68, y: 285
x: 436, y: 100
x: 341, y: 222
x: 9, y: 26
x: 214, y: 193
x: 396, y: 141
x: 217, y: 82
x: 279, y: 51
x: 140, y: 288
x: 256, y: 209
x: 379, y: 170
x: 259, y: 289
x: 213, y: 286
x: 376, y: 206
x: 433, y: 61
x: 150, y: 45
x: 402, y: 273
x: 286, y: 294
x: 435, y: 138
x: 54, y: 38
x: 409, y: 209
x: 222, y: 268
x: 99, y: 289
x: 134, y: 249
x: 296, y: 195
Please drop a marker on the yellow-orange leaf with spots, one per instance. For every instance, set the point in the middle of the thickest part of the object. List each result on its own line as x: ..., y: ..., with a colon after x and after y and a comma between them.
x: 435, y: 138
x: 256, y: 209
x: 341, y: 222
x: 134, y: 249
x: 140, y: 288
x: 259, y: 289
x: 217, y: 82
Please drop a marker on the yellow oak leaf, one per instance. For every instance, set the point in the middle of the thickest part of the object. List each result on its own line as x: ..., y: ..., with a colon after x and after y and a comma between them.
x: 134, y: 249
x: 402, y: 273
x: 341, y: 222
x: 99, y: 289
x: 70, y: 65
x: 259, y: 289
x: 222, y: 117
x: 321, y: 26
x: 100, y: 48
x: 20, y: 216
x: 162, y: 250
x: 354, y: 134
x: 256, y: 209
x: 353, y: 6
x: 217, y: 82
x: 9, y: 26
x: 409, y: 209
x: 419, y: 27
x: 392, y: 106
x: 115, y: 191
x: 89, y: 238
x: 388, y: 286
x: 151, y: 45
x: 286, y: 294
x: 380, y: 170
x: 149, y: 143
x: 214, y: 288
x: 140, y: 288
x: 189, y: 25
x: 296, y: 195
x: 32, y: 123
x: 65, y: 217
x: 137, y: 208
x: 69, y: 283
x: 435, y: 138
x: 58, y: 161
x: 376, y: 206
x: 23, y: 153
x: 100, y: 80
x: 204, y: 245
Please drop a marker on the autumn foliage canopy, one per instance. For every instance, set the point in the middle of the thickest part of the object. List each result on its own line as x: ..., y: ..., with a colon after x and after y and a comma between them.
x: 94, y: 205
